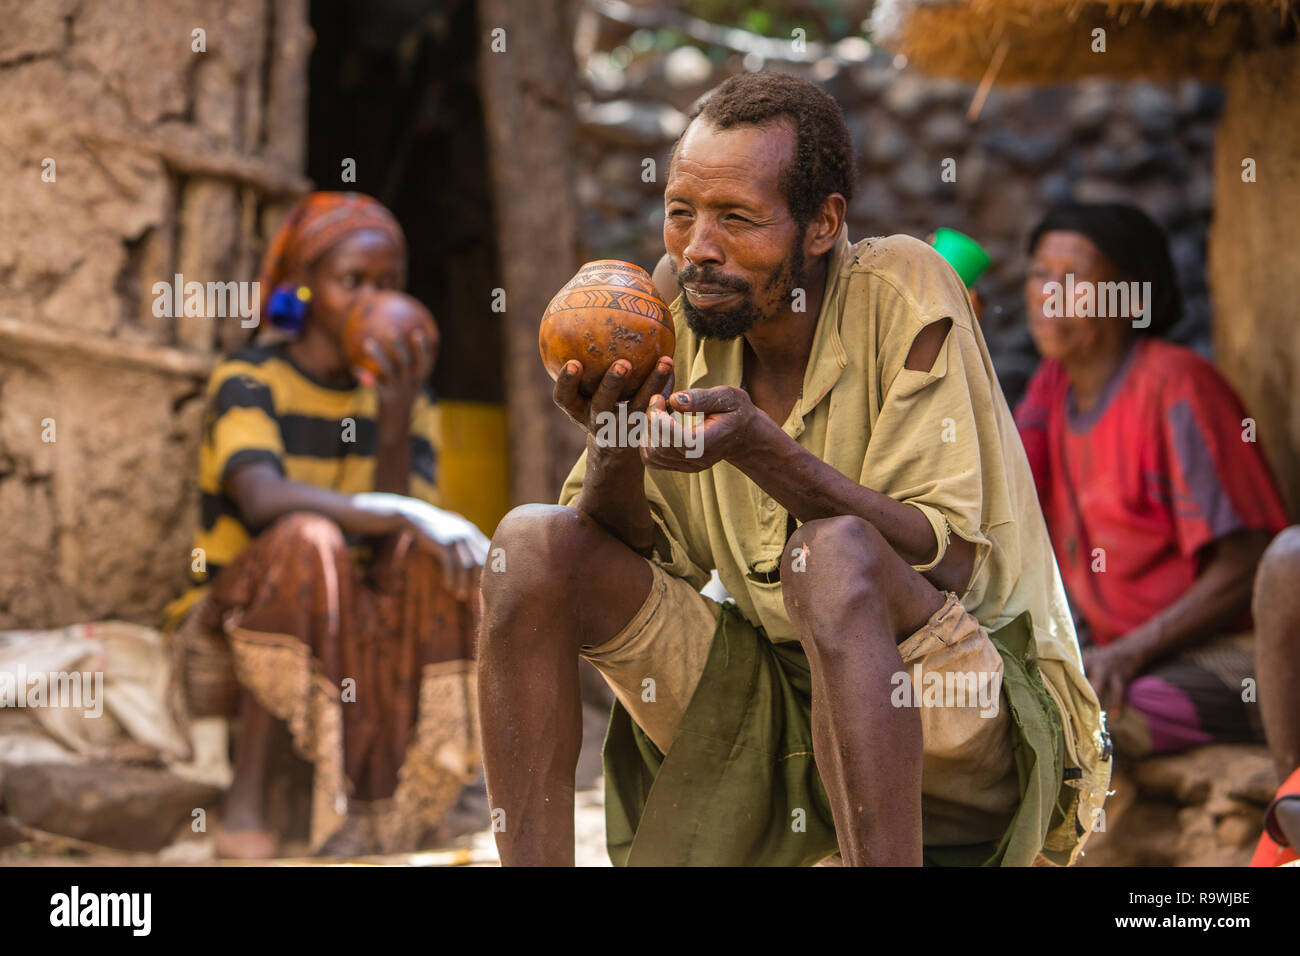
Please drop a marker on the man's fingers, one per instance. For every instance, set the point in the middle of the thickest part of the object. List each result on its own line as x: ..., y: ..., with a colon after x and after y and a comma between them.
x: 611, y: 387
x: 659, y: 380
x: 566, y: 391
x: 723, y: 398
x: 668, y: 387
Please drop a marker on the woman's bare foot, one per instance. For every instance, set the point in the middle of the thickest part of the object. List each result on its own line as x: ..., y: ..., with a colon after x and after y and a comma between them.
x: 245, y: 844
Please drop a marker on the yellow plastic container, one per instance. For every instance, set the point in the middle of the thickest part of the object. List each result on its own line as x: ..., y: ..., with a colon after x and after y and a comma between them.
x: 474, y: 463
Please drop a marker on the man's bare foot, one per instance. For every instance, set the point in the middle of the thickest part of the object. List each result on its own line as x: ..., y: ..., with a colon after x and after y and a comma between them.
x: 246, y: 844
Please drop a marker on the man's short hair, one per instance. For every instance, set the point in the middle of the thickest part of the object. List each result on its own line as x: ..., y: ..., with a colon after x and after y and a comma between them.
x: 823, y: 159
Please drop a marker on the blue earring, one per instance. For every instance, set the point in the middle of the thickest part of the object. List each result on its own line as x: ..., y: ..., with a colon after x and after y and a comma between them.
x: 288, y: 307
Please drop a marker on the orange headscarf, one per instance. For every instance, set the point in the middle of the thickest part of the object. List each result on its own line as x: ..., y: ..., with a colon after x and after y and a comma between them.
x: 314, y: 224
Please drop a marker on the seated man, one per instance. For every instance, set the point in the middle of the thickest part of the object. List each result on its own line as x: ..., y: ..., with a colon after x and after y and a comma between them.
x: 1158, y: 499
x: 864, y: 497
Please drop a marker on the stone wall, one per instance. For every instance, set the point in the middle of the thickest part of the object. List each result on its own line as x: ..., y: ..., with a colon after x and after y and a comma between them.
x: 1254, y: 243
x: 1097, y: 140
x: 128, y: 156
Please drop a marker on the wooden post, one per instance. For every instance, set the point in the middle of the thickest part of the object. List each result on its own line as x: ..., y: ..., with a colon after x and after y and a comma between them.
x: 527, y: 77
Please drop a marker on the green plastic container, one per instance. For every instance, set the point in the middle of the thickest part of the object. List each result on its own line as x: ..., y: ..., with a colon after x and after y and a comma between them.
x: 962, y: 252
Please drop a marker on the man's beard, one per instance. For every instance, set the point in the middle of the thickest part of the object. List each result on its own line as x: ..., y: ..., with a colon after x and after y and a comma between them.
x: 738, y: 320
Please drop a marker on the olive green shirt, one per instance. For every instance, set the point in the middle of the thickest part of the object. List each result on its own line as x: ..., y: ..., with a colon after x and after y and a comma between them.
x: 942, y: 441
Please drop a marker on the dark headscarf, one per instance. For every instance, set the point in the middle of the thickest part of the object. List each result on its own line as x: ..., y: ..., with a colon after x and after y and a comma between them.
x: 1131, y: 240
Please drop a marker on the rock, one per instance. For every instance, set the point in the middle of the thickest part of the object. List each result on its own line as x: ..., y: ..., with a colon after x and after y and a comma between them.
x: 972, y: 177
x: 874, y: 207
x: 1199, y: 193
x: 945, y: 130
x: 1056, y: 188
x: 918, y: 178
x: 130, y: 808
x: 1240, y: 830
x: 1257, y: 786
x: 885, y: 143
x: 1187, y: 809
x: 873, y: 78
x: 1005, y: 201
x: 1188, y: 777
x: 906, y: 95
x: 1026, y: 149
x: 1153, y: 108
x: 1199, y: 101
x: 1090, y: 106
x: 1002, y: 104
x: 11, y: 832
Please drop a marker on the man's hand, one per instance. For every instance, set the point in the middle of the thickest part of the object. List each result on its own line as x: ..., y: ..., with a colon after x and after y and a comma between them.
x: 1112, y: 668
x: 613, y: 489
x: 725, y: 431
x: 587, y: 412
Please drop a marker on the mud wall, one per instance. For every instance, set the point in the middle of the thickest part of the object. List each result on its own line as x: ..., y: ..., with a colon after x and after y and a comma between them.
x: 138, y: 139
x: 1254, y: 240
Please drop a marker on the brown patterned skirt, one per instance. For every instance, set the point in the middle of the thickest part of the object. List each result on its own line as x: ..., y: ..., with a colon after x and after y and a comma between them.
x: 372, y: 669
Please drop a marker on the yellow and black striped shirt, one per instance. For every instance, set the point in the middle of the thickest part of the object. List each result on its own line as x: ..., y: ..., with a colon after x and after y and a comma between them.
x: 264, y: 408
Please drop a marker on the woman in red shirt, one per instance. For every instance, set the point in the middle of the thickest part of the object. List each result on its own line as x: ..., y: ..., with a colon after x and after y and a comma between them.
x: 1157, y: 496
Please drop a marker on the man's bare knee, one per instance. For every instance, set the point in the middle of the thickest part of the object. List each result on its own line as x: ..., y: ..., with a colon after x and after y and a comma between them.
x: 827, y: 550
x: 1281, y: 560
x: 847, y: 563
x: 830, y: 562
x: 535, y: 547
x: 1276, y: 598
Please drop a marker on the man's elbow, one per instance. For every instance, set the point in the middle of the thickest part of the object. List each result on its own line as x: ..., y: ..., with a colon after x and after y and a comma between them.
x: 953, y: 573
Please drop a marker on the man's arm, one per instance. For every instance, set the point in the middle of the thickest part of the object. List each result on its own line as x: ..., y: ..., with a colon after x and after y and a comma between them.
x: 810, y: 489
x: 613, y: 488
x: 735, y: 430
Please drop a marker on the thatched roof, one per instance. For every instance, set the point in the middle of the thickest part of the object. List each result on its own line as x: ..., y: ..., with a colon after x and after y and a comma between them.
x: 1048, y: 41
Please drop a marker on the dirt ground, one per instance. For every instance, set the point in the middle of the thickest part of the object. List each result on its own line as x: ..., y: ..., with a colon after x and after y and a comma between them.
x: 468, y: 841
